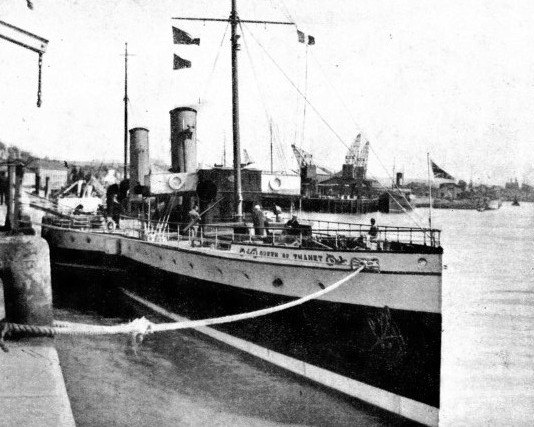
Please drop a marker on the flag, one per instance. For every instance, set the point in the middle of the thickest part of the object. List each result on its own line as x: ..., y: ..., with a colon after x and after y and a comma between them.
x: 311, y: 40
x: 439, y: 173
x: 181, y: 37
x: 181, y: 63
x: 300, y: 34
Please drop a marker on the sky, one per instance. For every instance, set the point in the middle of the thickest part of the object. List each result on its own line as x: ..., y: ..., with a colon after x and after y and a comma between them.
x: 454, y: 79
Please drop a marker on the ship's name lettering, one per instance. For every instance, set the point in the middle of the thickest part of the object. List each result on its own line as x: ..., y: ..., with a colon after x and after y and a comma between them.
x: 284, y: 255
x: 271, y: 254
x: 255, y: 252
x: 308, y: 257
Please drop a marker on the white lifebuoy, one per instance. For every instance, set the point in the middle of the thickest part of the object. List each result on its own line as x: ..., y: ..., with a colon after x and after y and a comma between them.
x: 275, y: 183
x: 111, y: 225
x: 175, y: 182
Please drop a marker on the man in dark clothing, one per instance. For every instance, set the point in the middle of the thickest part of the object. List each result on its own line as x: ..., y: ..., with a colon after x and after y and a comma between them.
x: 373, y: 230
x: 293, y: 226
x: 116, y: 210
x: 293, y: 223
x: 258, y: 219
x: 4, y: 187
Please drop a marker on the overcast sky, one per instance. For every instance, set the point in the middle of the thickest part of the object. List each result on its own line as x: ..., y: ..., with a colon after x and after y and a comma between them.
x: 455, y: 79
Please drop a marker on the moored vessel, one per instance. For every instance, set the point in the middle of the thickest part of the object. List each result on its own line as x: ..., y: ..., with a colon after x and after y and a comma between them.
x: 377, y: 337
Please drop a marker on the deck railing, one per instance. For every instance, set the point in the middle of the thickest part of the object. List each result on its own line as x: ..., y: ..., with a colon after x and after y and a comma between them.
x: 327, y: 234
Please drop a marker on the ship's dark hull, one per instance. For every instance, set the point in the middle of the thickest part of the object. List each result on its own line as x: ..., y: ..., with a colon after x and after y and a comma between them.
x: 393, y: 350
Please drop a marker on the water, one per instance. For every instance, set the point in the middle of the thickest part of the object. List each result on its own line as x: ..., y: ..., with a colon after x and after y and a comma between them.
x: 488, y: 314
x: 181, y: 378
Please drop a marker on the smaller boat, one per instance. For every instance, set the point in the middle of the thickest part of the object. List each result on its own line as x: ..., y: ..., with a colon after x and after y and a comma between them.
x: 488, y: 204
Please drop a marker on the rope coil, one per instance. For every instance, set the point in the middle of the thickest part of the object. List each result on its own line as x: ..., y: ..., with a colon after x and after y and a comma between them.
x: 138, y: 328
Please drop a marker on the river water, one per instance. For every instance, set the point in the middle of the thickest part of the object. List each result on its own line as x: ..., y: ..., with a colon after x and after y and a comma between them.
x: 182, y: 378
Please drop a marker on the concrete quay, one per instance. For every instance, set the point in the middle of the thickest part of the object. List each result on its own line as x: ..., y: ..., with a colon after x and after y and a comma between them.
x: 32, y: 388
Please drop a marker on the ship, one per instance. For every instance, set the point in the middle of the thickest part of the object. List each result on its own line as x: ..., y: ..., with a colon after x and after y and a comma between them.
x: 376, y: 337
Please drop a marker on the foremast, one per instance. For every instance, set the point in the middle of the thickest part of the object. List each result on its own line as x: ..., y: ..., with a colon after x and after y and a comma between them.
x: 234, y: 22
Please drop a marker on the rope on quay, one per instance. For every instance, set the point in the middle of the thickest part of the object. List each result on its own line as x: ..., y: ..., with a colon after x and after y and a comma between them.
x: 138, y: 328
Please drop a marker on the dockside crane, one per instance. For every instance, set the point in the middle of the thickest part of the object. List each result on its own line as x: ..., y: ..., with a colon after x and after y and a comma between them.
x: 363, y: 158
x: 357, y: 158
x: 15, y: 167
x: 354, y: 149
x: 29, y: 41
x: 305, y: 159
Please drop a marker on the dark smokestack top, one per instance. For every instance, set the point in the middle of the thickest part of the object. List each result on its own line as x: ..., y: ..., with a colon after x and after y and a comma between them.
x: 138, y: 128
x: 178, y: 109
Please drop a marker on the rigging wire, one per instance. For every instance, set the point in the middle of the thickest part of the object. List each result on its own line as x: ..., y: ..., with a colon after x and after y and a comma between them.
x: 208, y: 81
x: 303, y: 139
x: 279, y: 148
x: 300, y: 93
x: 322, y: 118
x: 285, y: 10
x: 348, y: 111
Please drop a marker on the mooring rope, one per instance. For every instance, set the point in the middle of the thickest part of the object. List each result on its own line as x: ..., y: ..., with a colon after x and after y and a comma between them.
x: 142, y: 326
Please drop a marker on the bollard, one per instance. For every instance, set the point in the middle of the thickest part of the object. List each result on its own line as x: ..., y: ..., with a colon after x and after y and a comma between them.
x: 25, y: 273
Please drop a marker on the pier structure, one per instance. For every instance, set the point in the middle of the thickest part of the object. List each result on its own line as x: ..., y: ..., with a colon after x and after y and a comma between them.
x: 32, y: 390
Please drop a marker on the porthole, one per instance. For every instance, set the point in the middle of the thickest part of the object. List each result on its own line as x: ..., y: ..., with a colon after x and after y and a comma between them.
x: 321, y: 285
x: 191, y: 264
x: 277, y: 282
x: 174, y: 261
x: 88, y: 240
x: 246, y: 275
x: 72, y: 238
x: 220, y: 271
x: 422, y: 262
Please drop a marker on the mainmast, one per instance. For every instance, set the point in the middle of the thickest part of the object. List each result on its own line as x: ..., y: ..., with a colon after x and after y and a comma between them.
x: 125, y: 110
x: 234, y: 22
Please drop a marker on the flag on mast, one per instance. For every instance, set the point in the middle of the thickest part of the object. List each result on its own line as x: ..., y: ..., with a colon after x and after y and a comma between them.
x: 181, y: 37
x: 180, y: 63
x: 305, y: 38
x: 440, y: 173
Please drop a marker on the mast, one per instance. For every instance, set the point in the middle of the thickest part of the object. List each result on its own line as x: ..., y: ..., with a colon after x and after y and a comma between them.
x: 429, y: 195
x: 224, y: 150
x: 271, y: 135
x: 125, y: 110
x: 234, y: 21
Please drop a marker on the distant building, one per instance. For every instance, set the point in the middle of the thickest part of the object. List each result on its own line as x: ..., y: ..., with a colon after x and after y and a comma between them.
x: 54, y: 170
x: 512, y: 185
x: 449, y: 190
x: 347, y: 188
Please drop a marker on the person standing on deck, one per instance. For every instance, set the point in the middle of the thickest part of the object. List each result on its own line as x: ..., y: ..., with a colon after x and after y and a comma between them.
x: 4, y: 187
x: 194, y: 218
x: 277, y: 210
x: 258, y: 219
x: 116, y: 210
x: 373, y: 231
